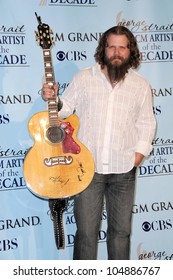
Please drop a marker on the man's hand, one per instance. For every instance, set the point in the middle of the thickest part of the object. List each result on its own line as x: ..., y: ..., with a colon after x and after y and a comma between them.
x: 49, y: 91
x: 138, y: 158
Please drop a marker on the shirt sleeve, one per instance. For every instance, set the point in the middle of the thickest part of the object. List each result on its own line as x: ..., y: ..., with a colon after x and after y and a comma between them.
x: 146, y: 124
x: 68, y: 100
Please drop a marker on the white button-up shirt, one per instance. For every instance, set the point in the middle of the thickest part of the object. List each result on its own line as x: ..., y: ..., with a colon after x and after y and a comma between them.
x: 114, y: 122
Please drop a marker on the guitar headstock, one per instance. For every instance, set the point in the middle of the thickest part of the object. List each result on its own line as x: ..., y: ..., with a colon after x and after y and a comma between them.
x: 44, y: 35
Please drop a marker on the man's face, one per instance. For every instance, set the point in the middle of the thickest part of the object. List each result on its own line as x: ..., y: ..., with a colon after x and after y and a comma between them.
x: 117, y: 51
x: 117, y: 57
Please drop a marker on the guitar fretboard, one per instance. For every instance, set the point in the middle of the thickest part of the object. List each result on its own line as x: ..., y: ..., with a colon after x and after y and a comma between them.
x: 49, y: 76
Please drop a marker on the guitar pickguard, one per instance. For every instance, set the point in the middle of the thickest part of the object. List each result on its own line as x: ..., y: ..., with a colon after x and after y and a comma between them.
x: 68, y: 143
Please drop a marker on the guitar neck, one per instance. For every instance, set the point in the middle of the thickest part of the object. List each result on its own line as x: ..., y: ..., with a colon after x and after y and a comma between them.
x: 49, y: 76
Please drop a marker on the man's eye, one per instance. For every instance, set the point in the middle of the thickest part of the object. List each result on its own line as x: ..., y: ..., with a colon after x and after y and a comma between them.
x: 120, y: 47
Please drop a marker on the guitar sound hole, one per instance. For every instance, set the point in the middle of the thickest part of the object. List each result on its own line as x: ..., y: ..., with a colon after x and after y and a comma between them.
x: 55, y: 134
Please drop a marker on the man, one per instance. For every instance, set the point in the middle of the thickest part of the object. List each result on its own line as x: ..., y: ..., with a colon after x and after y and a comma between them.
x: 114, y: 104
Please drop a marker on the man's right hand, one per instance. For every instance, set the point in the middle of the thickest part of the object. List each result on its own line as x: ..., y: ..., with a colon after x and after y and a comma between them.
x: 49, y: 91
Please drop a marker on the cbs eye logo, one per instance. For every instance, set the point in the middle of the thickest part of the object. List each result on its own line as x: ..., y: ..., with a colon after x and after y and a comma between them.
x: 146, y: 226
x: 60, y: 56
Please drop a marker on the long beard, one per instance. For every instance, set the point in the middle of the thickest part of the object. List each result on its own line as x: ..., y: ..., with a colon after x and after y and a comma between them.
x: 117, y: 72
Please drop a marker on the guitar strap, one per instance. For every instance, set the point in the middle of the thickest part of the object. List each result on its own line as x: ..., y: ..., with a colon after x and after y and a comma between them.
x: 57, y: 207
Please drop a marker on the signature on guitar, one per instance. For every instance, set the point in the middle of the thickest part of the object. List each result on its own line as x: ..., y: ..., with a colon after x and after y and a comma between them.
x: 81, y: 170
x: 59, y: 180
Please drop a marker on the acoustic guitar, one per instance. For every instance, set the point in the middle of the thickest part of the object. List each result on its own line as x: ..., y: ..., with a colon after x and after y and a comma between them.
x: 57, y: 165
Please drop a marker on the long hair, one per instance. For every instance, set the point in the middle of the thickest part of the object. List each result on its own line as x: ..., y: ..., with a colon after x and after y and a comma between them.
x: 132, y: 45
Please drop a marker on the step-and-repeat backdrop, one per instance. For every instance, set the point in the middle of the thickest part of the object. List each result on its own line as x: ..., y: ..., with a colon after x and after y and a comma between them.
x: 26, y: 229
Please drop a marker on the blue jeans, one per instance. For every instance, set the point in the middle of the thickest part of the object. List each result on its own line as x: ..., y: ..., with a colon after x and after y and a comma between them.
x: 118, y: 190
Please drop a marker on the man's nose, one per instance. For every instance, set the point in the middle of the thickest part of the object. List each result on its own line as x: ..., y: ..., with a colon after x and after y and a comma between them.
x: 116, y: 50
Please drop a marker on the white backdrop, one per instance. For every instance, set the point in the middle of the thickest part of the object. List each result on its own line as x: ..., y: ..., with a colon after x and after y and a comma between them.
x: 26, y: 230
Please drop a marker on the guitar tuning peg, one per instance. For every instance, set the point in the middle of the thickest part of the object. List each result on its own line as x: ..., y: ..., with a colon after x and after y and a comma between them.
x: 36, y: 34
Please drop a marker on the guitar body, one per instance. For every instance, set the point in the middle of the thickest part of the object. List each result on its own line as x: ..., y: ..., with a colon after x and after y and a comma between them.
x: 57, y: 170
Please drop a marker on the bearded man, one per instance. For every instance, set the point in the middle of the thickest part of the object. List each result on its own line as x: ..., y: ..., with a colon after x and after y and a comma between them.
x: 117, y: 124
